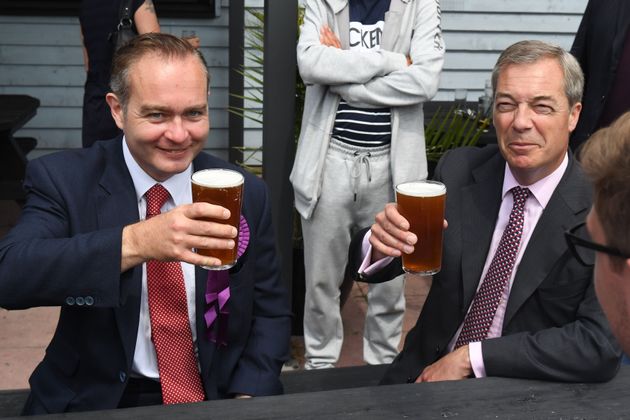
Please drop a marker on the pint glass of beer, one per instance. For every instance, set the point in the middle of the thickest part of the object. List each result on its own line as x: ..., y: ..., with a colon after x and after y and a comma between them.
x: 222, y: 187
x: 422, y: 204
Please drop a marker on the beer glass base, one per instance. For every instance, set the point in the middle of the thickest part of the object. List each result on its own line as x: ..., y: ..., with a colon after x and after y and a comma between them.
x: 219, y: 267
x: 421, y: 273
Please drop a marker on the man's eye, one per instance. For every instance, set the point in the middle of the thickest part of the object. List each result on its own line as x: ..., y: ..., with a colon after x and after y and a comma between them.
x: 156, y: 115
x: 194, y: 114
x: 505, y: 106
x: 543, y: 109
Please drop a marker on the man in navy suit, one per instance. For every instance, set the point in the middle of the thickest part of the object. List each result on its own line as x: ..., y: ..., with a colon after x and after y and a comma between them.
x: 546, y: 322
x: 83, y: 243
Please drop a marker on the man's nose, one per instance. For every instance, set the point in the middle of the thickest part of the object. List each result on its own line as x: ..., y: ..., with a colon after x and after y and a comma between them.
x: 522, y: 117
x: 177, y: 131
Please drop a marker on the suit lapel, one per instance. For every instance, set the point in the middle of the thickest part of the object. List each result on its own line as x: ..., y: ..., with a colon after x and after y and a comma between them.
x: 479, y: 210
x: 568, y: 205
x: 118, y: 207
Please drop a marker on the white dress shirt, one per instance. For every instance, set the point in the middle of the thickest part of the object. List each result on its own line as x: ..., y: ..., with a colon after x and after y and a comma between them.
x: 179, y: 187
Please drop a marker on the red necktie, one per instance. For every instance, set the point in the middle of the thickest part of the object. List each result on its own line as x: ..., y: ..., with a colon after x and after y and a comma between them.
x: 484, y: 306
x: 170, y: 327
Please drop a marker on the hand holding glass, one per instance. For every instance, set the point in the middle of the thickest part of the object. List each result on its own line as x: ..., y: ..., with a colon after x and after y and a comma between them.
x: 422, y: 204
x: 224, y: 188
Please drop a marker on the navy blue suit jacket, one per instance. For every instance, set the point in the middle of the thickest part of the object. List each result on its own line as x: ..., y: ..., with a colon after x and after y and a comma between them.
x: 66, y: 248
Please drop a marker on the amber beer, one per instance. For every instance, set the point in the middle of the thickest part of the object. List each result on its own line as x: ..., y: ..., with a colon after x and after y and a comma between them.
x: 222, y: 187
x: 422, y: 204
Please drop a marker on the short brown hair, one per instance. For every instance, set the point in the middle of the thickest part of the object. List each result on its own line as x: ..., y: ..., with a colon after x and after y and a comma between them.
x: 164, y: 45
x: 606, y: 159
x: 531, y: 51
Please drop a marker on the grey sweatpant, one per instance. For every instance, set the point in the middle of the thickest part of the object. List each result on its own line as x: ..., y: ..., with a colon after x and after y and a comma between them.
x: 356, y: 185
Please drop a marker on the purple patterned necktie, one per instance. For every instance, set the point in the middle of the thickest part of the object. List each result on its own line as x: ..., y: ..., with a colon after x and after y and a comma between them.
x: 486, y: 301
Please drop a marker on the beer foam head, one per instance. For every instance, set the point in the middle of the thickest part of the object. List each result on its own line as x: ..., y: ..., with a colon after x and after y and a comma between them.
x: 422, y: 188
x: 217, y: 178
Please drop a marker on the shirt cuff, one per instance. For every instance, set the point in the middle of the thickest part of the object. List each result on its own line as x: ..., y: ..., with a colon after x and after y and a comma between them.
x: 368, y: 267
x: 476, y: 359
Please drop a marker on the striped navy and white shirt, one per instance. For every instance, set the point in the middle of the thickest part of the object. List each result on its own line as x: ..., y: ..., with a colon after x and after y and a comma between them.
x: 365, y: 127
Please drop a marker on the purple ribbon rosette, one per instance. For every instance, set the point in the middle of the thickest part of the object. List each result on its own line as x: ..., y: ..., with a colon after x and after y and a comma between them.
x: 218, y: 293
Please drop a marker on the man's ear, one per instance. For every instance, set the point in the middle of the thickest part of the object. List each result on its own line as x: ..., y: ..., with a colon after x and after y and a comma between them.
x: 116, y: 108
x: 574, y: 116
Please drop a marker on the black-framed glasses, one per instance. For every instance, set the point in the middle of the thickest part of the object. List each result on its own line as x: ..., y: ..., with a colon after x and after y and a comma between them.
x: 583, y: 249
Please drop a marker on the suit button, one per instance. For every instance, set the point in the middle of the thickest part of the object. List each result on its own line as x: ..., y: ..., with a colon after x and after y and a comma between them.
x: 410, y: 380
x: 122, y: 376
x: 80, y: 301
x: 89, y: 300
x: 70, y: 301
x: 437, y: 349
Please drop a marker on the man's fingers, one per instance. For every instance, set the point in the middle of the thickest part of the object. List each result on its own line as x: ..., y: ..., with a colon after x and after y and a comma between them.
x: 205, y: 211
x: 394, y: 225
x: 390, y: 245
x: 200, y: 260
x: 393, y: 216
x: 204, y: 242
x: 212, y: 229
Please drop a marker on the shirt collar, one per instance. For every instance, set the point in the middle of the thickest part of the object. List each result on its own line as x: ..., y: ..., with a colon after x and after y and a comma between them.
x: 543, y: 189
x: 177, y: 185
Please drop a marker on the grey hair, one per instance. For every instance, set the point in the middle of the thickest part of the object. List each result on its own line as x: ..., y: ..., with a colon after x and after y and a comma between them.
x: 531, y: 51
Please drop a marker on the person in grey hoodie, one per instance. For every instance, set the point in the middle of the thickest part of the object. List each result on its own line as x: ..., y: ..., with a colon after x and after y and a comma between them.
x: 369, y: 65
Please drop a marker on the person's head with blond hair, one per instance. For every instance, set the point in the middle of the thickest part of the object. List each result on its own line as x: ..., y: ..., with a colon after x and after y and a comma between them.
x: 606, y: 160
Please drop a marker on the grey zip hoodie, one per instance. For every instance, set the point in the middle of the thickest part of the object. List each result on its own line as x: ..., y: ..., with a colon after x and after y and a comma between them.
x: 366, y: 79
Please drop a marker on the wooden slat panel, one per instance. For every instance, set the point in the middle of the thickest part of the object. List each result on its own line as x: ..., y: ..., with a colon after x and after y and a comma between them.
x: 515, y: 6
x: 470, y: 41
x: 49, y: 95
x: 494, y: 22
x: 62, y: 96
x: 27, y: 75
x: 73, y: 55
x: 55, y: 34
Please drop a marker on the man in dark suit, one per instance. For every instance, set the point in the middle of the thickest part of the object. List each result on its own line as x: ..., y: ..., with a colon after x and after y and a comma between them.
x: 83, y: 243
x: 602, y: 46
x: 546, y: 323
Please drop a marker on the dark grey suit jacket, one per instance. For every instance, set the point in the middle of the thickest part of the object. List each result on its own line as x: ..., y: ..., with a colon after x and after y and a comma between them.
x: 65, y: 251
x: 554, y: 327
